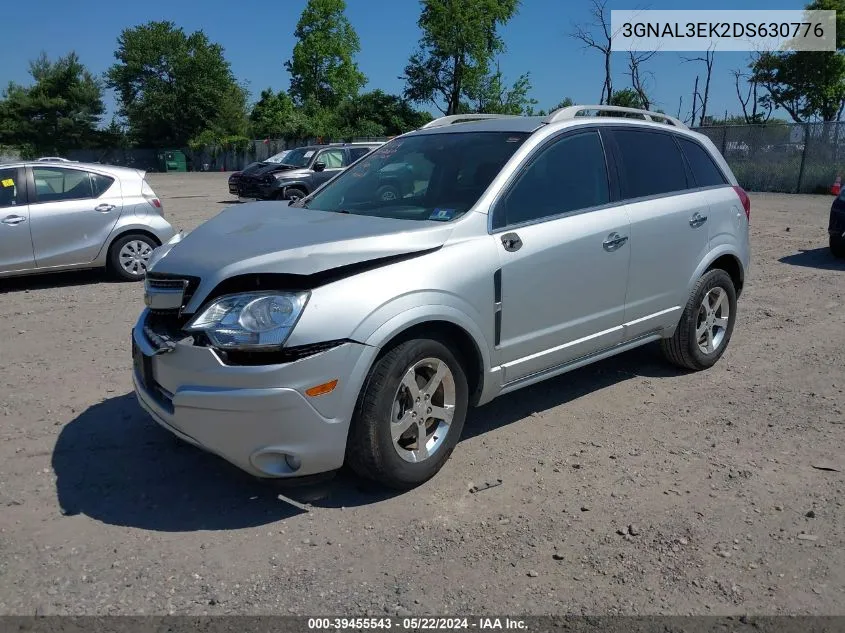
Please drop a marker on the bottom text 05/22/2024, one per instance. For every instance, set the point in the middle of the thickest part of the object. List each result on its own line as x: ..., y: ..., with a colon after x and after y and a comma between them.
x: 415, y: 624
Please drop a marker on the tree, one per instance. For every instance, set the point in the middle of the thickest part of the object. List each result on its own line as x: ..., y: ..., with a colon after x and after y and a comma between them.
x: 601, y: 42
x: 627, y: 98
x: 459, y: 39
x: 172, y: 86
x: 635, y: 61
x: 709, y: 57
x: 377, y: 113
x: 323, y: 67
x: 60, y: 111
x: 492, y: 96
x: 752, y: 110
x: 274, y: 115
x: 809, y: 85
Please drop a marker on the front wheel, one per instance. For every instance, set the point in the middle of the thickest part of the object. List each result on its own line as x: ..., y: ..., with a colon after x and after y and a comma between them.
x: 706, y: 324
x: 293, y: 194
x: 409, y: 415
x: 130, y: 255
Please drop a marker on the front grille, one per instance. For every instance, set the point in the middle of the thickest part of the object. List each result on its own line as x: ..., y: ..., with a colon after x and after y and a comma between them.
x: 170, y: 282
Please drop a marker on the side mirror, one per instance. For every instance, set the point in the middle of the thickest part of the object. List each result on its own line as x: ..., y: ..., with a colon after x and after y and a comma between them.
x: 319, y: 166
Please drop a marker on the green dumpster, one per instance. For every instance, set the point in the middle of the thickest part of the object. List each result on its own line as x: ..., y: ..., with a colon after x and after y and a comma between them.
x: 173, y: 160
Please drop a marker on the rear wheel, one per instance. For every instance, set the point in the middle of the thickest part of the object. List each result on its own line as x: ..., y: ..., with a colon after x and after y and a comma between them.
x: 837, y: 246
x: 409, y: 415
x: 706, y: 324
x: 129, y: 256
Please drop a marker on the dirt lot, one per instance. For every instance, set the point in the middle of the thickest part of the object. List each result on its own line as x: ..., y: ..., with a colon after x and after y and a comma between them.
x: 717, y: 472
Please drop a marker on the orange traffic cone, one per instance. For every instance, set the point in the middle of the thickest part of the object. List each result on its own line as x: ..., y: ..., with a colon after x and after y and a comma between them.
x: 837, y: 186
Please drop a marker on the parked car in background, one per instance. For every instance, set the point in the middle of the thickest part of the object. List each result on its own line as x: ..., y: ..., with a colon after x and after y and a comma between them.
x: 275, y: 159
x: 61, y: 216
x: 301, y: 171
x: 53, y: 159
x: 354, y: 328
x: 836, y: 226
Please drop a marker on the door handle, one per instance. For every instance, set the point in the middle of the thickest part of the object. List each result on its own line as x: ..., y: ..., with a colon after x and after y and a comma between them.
x: 13, y: 219
x: 104, y: 208
x: 697, y: 220
x: 614, y: 241
x: 511, y: 242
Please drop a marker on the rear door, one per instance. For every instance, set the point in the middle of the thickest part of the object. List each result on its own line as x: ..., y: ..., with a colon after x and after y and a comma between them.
x: 15, y: 240
x: 72, y: 211
x: 669, y: 233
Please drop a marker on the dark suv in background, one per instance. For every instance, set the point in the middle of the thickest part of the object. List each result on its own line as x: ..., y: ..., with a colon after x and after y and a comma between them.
x: 301, y: 172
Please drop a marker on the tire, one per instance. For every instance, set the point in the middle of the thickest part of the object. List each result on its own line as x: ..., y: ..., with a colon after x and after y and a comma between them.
x: 684, y: 348
x: 371, y: 451
x: 123, y: 248
x: 837, y: 246
x: 293, y: 193
x: 387, y: 192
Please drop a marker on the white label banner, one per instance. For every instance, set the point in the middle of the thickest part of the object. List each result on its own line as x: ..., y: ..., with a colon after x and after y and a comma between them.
x: 731, y: 30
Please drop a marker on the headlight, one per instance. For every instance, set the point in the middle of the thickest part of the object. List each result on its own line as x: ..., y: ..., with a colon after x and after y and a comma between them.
x: 253, y: 320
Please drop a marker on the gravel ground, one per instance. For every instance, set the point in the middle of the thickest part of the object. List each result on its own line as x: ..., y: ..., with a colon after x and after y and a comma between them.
x: 651, y: 491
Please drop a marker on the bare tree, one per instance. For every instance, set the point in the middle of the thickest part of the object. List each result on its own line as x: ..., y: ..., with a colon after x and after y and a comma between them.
x: 695, y: 96
x: 752, y: 111
x: 708, y: 58
x: 680, y: 106
x: 601, y: 42
x: 637, y: 77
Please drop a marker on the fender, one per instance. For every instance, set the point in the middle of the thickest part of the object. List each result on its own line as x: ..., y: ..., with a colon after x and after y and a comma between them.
x: 299, y: 184
x: 712, y: 256
x: 437, y: 312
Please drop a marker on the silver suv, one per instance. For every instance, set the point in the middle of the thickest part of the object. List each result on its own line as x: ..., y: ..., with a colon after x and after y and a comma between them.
x: 350, y: 328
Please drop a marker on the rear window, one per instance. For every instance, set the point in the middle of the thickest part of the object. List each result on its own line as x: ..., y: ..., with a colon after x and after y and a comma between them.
x: 704, y: 169
x: 651, y: 163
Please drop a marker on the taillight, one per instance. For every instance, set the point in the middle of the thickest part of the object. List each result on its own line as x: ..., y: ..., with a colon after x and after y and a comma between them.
x: 745, y: 200
x: 151, y: 197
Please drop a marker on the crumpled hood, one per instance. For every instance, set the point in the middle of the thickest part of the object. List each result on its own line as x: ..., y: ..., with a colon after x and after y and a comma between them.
x: 268, y: 168
x: 271, y: 237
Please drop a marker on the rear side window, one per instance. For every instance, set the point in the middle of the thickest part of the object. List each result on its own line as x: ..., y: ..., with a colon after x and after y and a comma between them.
x: 100, y: 184
x: 56, y: 184
x: 704, y: 169
x: 651, y: 163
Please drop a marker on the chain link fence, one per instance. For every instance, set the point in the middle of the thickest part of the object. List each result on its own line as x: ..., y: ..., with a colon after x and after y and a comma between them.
x: 781, y: 157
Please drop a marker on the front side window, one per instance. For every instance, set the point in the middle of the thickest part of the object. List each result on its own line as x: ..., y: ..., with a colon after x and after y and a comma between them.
x: 332, y: 158
x: 357, y: 152
x: 442, y: 176
x: 569, y: 175
x: 56, y: 184
x: 8, y: 187
x: 651, y: 163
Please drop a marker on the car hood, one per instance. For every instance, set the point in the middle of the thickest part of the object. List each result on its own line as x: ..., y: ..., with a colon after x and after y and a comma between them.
x: 271, y: 237
x: 269, y: 168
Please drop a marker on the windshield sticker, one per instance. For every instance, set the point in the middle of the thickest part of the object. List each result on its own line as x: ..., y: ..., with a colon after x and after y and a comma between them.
x: 8, y: 182
x: 442, y: 214
x: 308, y: 154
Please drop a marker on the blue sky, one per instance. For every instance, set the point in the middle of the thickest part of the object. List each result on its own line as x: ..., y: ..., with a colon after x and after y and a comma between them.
x: 258, y: 38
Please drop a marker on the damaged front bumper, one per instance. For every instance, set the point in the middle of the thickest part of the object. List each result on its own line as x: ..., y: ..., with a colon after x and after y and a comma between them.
x: 258, y: 417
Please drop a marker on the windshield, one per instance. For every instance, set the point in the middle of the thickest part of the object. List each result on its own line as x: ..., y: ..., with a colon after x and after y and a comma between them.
x: 299, y: 157
x: 421, y: 177
x: 278, y: 158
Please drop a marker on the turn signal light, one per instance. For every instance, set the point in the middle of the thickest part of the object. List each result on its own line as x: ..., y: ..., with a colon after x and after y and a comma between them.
x: 321, y: 390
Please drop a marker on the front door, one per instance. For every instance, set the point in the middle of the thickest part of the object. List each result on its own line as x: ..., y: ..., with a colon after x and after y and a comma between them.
x: 72, y: 212
x: 564, y: 258
x: 15, y: 240
x: 335, y: 161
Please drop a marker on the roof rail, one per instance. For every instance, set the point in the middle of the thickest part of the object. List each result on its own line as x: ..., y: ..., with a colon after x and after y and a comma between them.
x: 565, y: 114
x: 460, y: 118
